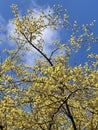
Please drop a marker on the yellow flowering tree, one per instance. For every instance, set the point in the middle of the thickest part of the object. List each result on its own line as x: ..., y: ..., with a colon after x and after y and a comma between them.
x: 50, y: 95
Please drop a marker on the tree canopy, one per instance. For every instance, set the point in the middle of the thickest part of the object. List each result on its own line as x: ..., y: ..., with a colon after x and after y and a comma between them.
x: 51, y: 94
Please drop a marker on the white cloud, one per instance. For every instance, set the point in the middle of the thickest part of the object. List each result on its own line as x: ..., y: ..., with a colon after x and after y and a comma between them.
x: 6, y: 29
x: 10, y: 32
x: 10, y: 28
x: 49, y: 36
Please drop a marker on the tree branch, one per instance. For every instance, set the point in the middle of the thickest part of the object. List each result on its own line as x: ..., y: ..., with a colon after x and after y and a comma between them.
x: 44, y: 55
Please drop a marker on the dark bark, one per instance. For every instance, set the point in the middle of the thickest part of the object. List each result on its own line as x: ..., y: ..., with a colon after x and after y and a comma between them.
x: 1, y: 127
x: 71, y: 117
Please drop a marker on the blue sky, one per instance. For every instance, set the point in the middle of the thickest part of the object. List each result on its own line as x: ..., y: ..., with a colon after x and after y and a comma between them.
x: 84, y: 11
x: 81, y: 10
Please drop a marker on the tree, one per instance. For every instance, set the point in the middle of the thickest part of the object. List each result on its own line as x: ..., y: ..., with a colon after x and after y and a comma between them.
x: 50, y: 95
